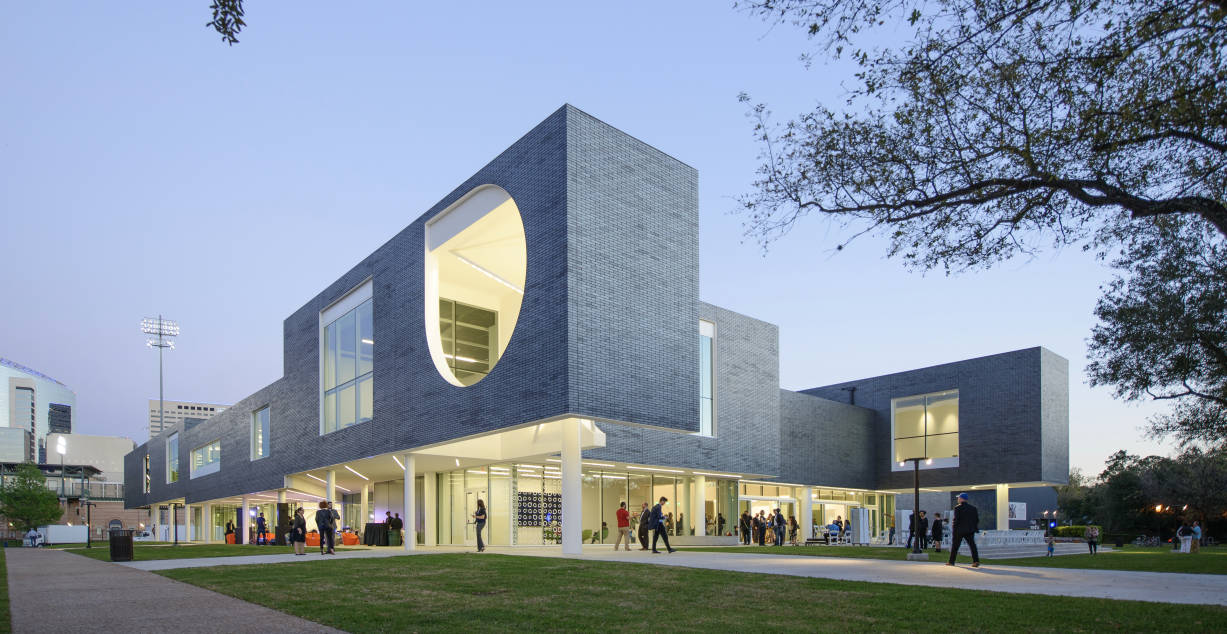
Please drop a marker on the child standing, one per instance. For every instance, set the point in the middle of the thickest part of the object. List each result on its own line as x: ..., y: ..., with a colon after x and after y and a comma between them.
x: 1050, y: 540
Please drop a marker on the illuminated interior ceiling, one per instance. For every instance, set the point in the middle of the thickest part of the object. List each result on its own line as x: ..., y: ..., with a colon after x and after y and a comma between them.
x: 476, y: 257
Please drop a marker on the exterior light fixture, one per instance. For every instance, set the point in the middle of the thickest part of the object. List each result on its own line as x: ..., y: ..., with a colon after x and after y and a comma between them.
x: 489, y: 273
x: 162, y: 328
x: 402, y: 467
x: 929, y: 461
x: 902, y: 464
x: 356, y: 473
x: 1159, y: 507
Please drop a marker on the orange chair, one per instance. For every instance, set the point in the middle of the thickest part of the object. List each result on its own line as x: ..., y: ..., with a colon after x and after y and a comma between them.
x: 349, y: 539
x: 313, y: 539
x: 270, y: 537
x: 230, y: 538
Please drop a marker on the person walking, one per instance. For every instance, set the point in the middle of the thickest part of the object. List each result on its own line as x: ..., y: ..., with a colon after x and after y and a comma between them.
x: 792, y: 529
x: 745, y: 524
x: 326, y: 525
x: 1092, y: 539
x: 261, y: 530
x: 937, y: 531
x: 963, y: 528
x: 298, y: 532
x: 624, y: 527
x: 479, y: 522
x: 1186, y: 536
x: 645, y: 524
x: 658, y: 524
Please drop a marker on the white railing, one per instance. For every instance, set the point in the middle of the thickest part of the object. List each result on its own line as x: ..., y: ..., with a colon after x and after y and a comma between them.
x: 990, y: 538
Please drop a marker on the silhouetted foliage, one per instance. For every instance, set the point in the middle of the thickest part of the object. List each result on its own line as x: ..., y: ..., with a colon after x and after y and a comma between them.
x: 228, y: 19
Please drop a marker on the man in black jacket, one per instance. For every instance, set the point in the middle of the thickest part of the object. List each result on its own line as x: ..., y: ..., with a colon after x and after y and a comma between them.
x: 644, y: 520
x: 964, y: 526
x: 922, y: 532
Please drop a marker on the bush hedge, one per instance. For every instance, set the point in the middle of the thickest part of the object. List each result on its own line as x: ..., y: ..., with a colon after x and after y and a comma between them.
x: 1077, y: 531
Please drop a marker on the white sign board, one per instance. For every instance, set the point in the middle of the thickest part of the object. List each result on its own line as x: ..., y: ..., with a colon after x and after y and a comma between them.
x: 1018, y: 510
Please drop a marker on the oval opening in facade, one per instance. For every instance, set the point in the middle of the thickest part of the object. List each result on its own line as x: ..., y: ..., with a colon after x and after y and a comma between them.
x: 476, y: 262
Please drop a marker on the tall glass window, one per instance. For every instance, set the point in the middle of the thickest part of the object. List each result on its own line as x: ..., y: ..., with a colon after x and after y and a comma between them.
x: 207, y: 459
x: 349, y: 391
x: 172, y: 458
x: 147, y: 479
x: 259, y: 434
x: 707, y: 378
x: 926, y: 426
x: 470, y: 339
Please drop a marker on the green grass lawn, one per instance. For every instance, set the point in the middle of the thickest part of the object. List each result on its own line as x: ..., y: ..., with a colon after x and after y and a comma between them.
x: 103, y: 544
x: 1211, y: 561
x: 6, y: 619
x: 145, y: 553
x: 497, y: 593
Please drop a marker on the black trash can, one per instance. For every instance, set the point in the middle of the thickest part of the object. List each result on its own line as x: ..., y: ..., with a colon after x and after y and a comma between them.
x: 121, y: 544
x: 1120, y: 541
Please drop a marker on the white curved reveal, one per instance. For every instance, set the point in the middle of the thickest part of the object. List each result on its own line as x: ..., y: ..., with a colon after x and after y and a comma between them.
x: 476, y: 262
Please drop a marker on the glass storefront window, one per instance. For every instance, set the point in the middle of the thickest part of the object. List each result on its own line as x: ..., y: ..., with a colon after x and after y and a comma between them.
x: 348, y: 350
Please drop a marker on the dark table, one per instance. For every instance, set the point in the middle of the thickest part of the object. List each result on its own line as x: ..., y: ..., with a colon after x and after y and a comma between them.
x: 375, y: 535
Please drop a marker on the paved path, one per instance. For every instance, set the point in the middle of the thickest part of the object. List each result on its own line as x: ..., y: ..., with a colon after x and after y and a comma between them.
x: 55, y: 591
x: 1110, y: 584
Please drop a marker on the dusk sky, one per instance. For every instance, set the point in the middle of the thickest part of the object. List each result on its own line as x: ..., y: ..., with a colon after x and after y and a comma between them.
x: 148, y: 168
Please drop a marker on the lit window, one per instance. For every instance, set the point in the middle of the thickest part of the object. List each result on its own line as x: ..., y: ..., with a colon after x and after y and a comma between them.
x: 926, y: 426
x: 348, y: 349
x: 707, y: 378
x: 172, y: 458
x: 207, y: 459
x: 259, y: 434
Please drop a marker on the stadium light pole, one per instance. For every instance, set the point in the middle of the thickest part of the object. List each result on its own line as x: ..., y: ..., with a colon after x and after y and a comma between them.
x: 162, y: 328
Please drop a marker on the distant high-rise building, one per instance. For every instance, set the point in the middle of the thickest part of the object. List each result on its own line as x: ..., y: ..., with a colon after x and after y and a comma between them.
x: 29, y: 401
x: 59, y: 418
x: 180, y: 412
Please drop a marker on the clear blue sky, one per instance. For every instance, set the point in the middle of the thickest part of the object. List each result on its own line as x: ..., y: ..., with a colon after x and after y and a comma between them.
x: 148, y: 168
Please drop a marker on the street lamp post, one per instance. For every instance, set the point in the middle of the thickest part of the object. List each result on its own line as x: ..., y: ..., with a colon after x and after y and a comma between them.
x: 89, y: 506
x: 61, y: 446
x: 916, y: 505
x: 162, y: 328
x: 174, y: 520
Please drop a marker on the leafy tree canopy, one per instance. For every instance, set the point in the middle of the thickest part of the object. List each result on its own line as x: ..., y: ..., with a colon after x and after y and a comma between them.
x: 228, y: 19
x: 1163, y: 327
x: 27, y: 502
x: 999, y: 127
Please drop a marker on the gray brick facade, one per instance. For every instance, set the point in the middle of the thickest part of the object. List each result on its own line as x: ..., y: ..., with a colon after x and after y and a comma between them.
x: 825, y: 443
x: 1013, y: 418
x: 608, y: 330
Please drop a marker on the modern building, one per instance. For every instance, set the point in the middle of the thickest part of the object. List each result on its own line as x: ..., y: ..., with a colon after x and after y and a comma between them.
x: 536, y: 340
x: 31, y: 401
x: 180, y: 414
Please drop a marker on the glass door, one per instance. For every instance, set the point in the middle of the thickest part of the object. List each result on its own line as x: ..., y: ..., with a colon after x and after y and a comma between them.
x: 471, y: 496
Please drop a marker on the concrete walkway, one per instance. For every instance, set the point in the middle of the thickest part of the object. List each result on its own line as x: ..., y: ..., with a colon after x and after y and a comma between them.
x: 55, y: 591
x: 1108, y: 584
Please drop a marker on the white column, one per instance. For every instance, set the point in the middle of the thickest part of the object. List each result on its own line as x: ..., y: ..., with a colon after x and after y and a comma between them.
x: 430, y: 484
x: 686, y: 506
x: 187, y: 521
x: 240, y: 536
x: 207, y: 523
x: 572, y: 489
x: 1003, y: 507
x: 330, y: 485
x: 410, y: 539
x: 362, y: 514
x: 699, y: 509
x: 807, y: 513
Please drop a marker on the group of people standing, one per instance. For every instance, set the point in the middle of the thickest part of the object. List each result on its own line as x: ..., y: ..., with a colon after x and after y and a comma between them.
x: 754, y: 528
x: 326, y: 519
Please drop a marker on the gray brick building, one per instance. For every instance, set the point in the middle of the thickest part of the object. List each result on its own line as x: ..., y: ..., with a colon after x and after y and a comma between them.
x: 536, y: 340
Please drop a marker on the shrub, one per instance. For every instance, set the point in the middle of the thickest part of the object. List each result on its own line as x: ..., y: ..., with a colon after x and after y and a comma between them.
x: 1077, y: 531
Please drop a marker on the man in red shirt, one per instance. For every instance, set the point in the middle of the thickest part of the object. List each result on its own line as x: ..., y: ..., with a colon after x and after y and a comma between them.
x: 624, y: 527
